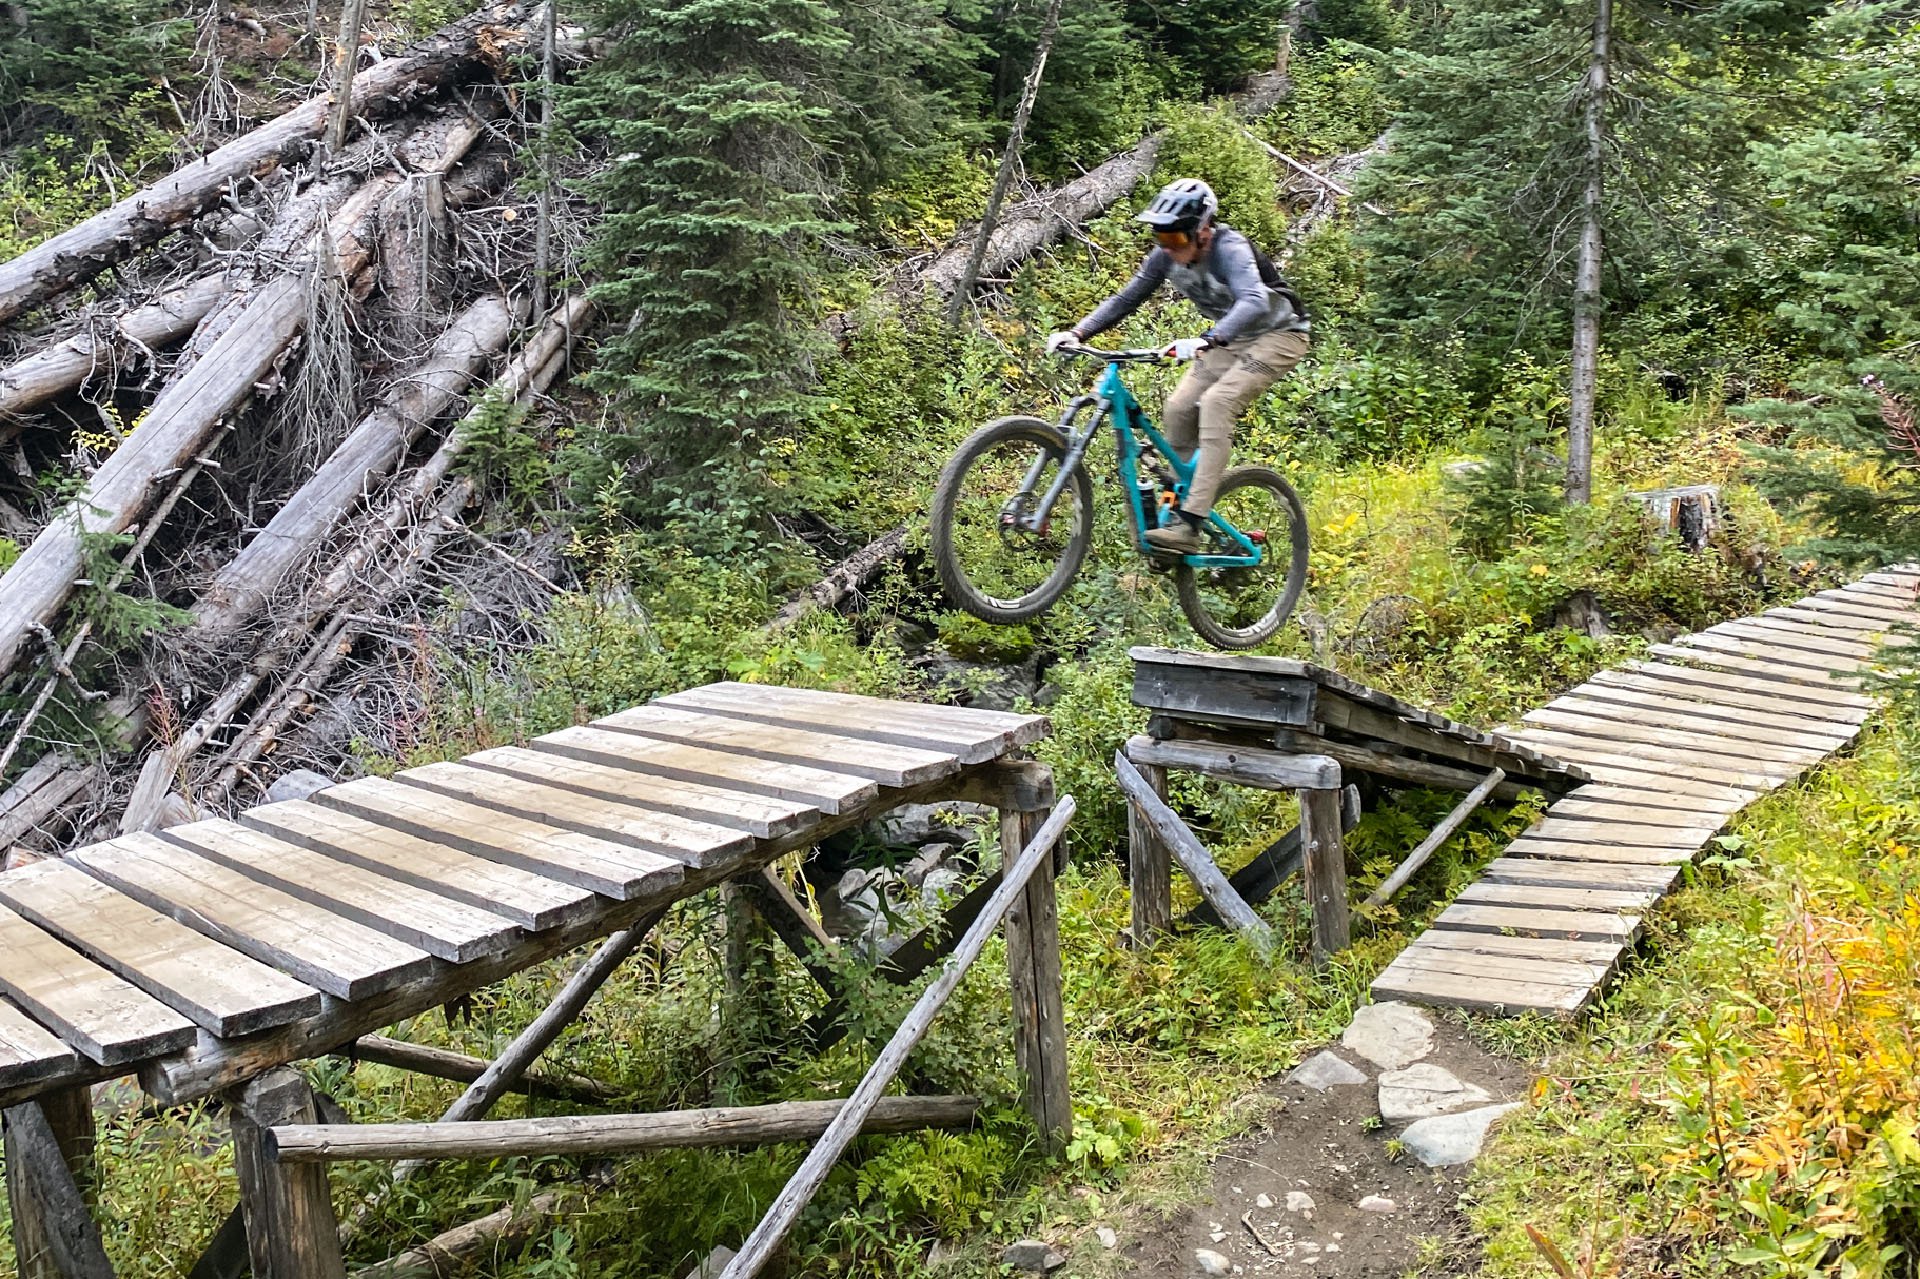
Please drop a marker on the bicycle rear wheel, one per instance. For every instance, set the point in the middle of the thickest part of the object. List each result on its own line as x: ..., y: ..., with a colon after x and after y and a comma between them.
x: 1242, y: 607
x: 990, y: 566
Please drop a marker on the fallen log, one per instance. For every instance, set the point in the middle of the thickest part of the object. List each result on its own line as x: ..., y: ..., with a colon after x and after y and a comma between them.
x: 842, y: 579
x: 455, y: 1251
x: 368, y: 453
x: 441, y: 1063
x: 42, y: 791
x: 162, y: 322
x: 77, y: 255
x: 292, y: 652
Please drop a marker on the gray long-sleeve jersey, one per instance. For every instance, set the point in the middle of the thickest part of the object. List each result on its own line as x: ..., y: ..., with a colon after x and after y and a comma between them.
x: 1224, y: 283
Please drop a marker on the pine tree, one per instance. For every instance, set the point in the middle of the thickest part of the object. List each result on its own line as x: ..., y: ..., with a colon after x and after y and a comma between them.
x: 714, y: 199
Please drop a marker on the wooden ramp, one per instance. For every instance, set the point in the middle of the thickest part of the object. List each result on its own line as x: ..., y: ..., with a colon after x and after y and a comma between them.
x: 206, y: 954
x: 1674, y: 746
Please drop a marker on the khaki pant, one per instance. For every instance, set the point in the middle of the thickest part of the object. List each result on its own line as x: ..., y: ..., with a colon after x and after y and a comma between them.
x: 1219, y: 387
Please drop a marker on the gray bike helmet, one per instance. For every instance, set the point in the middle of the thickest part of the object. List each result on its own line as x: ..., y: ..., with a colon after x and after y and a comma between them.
x: 1184, y: 204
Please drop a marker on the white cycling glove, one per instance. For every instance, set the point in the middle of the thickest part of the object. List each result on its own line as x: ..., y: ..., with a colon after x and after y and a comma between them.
x: 1183, y: 349
x: 1065, y: 337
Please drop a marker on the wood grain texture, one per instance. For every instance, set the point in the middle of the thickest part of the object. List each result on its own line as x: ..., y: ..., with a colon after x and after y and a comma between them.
x: 830, y: 792
x: 215, y: 986
x: 29, y: 1053
x: 758, y: 815
x: 106, y: 1018
x: 887, y: 764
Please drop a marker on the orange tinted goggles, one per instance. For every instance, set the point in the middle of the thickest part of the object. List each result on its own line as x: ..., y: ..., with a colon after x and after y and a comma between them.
x: 1173, y: 239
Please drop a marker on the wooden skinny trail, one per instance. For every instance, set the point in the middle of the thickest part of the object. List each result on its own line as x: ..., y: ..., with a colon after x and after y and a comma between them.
x: 1675, y: 746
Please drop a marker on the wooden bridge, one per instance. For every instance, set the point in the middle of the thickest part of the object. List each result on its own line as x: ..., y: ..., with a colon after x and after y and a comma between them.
x: 1644, y: 765
x: 204, y: 957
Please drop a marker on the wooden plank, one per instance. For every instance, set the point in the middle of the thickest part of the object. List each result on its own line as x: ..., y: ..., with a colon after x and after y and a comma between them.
x: 1813, y: 626
x: 1902, y: 596
x: 830, y: 792
x: 1423, y: 772
x: 1225, y: 691
x: 1608, y: 953
x: 1744, y: 726
x: 1575, y: 924
x: 1621, y: 771
x: 888, y: 765
x: 1636, y: 814
x: 1892, y: 611
x: 441, y: 926
x: 758, y: 815
x: 685, y: 840
x: 29, y: 1054
x: 106, y: 1018
x: 1581, y: 831
x: 1648, y: 797
x: 326, y: 951
x: 1170, y: 831
x: 1559, y: 897
x: 1623, y: 854
x: 1549, y: 873
x: 1724, y: 688
x: 1483, y: 993
x: 1150, y: 868
x: 1813, y: 683
x: 1804, y: 639
x: 1803, y: 664
x: 1245, y: 766
x: 934, y: 715
x: 1502, y: 752
x: 1839, y: 610
x: 1649, y: 730
x: 610, y: 869
x: 1727, y: 769
x: 1323, y: 871
x: 1465, y: 963
x: 867, y: 718
x: 1641, y: 762
x: 1654, y: 694
x: 215, y: 986
x: 1833, y: 619
x: 532, y: 901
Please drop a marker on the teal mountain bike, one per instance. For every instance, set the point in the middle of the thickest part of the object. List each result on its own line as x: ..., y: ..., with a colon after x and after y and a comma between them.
x: 1013, y: 517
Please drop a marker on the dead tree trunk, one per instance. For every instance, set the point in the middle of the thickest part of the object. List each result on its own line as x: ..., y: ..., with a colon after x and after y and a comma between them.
x: 367, y: 454
x: 1583, y: 382
x: 43, y: 375
x: 346, y: 60
x: 77, y: 255
x: 1009, y: 162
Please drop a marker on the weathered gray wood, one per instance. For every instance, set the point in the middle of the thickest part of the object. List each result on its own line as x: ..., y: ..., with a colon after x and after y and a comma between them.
x: 613, y: 870
x: 574, y: 1135
x: 1807, y: 626
x: 103, y: 1016
x: 1245, y: 766
x: 29, y: 1053
x: 1859, y: 605
x: 530, y: 900
x: 217, y: 987
x: 1875, y: 629
x: 1797, y: 662
x: 1620, y: 854
x: 370, y: 451
x: 1484, y: 992
x: 1169, y: 830
x: 1561, y: 874
x: 1405, y: 768
x: 442, y: 1063
x: 1223, y: 695
x: 830, y: 792
x: 291, y: 1229
x: 1605, y: 953
x: 1033, y: 969
x: 1810, y: 682
x: 889, y: 765
x: 442, y: 927
x: 487, y: 1239
x: 79, y: 253
x: 1654, y: 728
x: 1643, y: 798
x: 1437, y: 836
x: 1419, y: 962
x: 1149, y: 867
x: 806, y: 1181
x: 1590, y: 925
x: 1475, y: 750
x: 1819, y: 700
x: 1616, y: 757
x: 1641, y: 835
x: 1636, y: 814
x: 57, y: 369
x: 1779, y: 634
x: 1729, y: 696
x: 759, y: 815
x: 1725, y: 720
x: 48, y: 1145
x: 868, y: 718
x: 1558, y: 897
x: 329, y: 952
x: 766, y: 889
x: 1272, y: 866
x: 684, y: 839
x: 1324, y: 871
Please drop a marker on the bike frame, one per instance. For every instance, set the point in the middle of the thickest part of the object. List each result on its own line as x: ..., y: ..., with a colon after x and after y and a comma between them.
x: 1111, y: 401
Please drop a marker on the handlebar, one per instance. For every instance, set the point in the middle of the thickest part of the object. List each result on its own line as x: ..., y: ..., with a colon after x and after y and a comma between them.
x: 1132, y: 355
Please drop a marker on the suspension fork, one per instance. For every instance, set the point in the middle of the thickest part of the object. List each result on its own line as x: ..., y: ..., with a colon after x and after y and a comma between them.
x: 1078, y: 441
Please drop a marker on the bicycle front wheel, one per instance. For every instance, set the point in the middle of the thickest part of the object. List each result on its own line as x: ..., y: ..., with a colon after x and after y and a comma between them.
x: 1242, y: 607
x: 990, y: 565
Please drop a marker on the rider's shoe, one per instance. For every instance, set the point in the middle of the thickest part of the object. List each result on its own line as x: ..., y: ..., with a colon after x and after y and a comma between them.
x: 1182, y: 537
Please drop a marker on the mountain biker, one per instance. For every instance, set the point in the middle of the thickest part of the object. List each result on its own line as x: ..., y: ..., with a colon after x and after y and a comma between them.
x: 1259, y: 333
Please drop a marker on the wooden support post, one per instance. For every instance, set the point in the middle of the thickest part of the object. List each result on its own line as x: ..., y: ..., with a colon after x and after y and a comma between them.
x: 812, y: 1173
x: 291, y: 1231
x: 1325, y: 860
x: 1448, y: 824
x: 1149, y: 867
x: 1272, y: 866
x: 49, y: 1150
x: 1192, y: 855
x: 1033, y: 966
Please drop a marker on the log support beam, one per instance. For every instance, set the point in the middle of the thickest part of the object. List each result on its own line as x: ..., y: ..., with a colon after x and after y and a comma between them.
x: 49, y: 1154
x: 291, y: 1230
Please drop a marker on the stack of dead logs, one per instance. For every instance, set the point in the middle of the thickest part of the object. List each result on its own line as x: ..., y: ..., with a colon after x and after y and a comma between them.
x: 255, y: 284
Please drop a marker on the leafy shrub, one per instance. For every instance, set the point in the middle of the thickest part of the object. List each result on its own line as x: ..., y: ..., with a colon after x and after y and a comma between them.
x: 1211, y: 143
